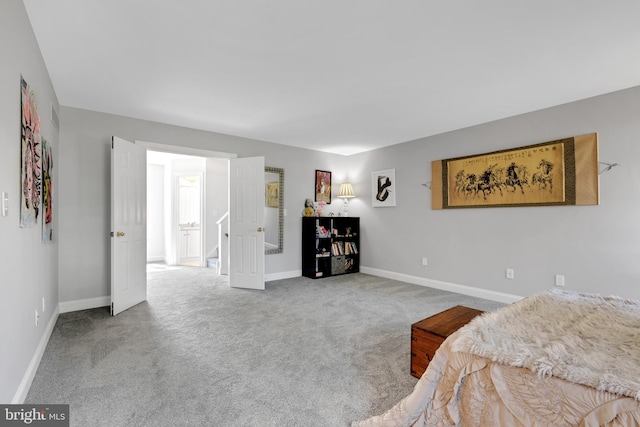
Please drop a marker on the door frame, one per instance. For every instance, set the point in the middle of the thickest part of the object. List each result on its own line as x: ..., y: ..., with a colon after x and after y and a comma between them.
x: 188, y: 151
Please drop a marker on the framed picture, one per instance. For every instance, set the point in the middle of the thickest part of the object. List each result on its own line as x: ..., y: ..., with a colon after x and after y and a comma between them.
x: 272, y: 195
x: 47, y: 192
x: 31, y: 160
x: 323, y: 186
x: 383, y: 188
x: 561, y: 172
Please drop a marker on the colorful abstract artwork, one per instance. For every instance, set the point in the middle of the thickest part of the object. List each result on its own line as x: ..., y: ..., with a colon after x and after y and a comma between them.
x: 31, y: 163
x: 47, y: 192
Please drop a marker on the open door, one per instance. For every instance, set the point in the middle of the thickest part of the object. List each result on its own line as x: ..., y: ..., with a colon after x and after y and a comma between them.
x: 128, y: 225
x: 246, y: 223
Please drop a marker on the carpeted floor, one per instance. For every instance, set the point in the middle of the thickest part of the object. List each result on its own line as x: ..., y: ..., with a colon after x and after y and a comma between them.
x: 303, y: 352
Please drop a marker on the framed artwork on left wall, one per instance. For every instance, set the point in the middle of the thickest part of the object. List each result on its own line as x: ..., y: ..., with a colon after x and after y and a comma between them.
x: 47, y: 192
x: 31, y: 163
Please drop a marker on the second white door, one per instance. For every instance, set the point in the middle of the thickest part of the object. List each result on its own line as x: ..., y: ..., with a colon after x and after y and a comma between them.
x: 246, y: 222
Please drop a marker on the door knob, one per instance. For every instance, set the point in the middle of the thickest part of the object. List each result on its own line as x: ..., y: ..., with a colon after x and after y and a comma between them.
x: 260, y: 229
x: 120, y: 233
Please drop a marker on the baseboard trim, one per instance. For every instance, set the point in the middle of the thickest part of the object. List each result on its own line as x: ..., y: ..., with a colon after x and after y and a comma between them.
x: 29, y: 375
x: 282, y: 275
x: 444, y: 286
x: 84, y: 304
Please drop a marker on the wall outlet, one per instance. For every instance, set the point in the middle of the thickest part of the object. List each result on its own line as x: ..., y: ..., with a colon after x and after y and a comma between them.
x: 424, y: 261
x: 37, y: 317
x: 559, y: 280
x: 509, y: 274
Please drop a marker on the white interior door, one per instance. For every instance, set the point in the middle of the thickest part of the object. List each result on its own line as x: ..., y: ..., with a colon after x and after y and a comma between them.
x: 246, y: 222
x: 128, y: 225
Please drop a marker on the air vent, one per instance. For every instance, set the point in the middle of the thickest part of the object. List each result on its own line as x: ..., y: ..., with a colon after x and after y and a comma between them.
x: 54, y: 118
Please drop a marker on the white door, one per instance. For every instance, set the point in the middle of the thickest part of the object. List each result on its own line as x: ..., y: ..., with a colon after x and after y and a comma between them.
x: 246, y: 223
x: 128, y: 225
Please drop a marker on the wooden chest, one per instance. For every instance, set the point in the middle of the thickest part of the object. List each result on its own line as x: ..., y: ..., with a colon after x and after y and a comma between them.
x: 429, y: 333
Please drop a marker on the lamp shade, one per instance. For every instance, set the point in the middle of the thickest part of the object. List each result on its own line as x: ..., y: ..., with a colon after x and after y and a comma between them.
x: 346, y: 191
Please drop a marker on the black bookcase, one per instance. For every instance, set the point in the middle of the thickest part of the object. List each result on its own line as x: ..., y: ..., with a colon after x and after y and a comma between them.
x: 330, y: 246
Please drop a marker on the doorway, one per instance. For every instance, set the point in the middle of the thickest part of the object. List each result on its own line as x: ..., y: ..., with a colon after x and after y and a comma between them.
x: 187, y: 194
x: 189, y: 204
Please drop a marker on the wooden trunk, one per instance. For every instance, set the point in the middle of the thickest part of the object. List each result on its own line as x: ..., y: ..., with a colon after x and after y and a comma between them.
x: 429, y: 333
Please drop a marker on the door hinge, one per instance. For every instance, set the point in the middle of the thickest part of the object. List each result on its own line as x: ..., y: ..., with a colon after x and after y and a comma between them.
x: 112, y: 309
x: 111, y: 234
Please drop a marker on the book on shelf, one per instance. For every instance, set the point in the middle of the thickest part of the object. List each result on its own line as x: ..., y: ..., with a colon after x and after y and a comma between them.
x: 349, y: 262
x: 350, y: 248
x: 337, y: 248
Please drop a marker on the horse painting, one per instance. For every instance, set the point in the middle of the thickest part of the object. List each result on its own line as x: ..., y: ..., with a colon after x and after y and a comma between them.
x: 544, y: 175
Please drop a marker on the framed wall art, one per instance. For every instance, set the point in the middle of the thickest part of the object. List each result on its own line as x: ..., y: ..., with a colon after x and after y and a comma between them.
x: 272, y: 195
x: 561, y: 172
x: 47, y: 192
x: 323, y: 186
x: 31, y: 163
x: 383, y: 188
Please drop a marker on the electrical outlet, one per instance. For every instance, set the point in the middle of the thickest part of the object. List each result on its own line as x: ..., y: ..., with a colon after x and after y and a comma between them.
x: 424, y: 261
x: 509, y: 274
x: 559, y: 280
x: 37, y: 317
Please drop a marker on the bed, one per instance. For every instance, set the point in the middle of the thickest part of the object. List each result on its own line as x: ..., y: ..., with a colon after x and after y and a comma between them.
x: 557, y: 358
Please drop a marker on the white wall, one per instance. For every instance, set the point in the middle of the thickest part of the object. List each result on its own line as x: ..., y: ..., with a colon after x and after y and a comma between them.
x: 595, y: 247
x: 29, y: 267
x: 217, y: 200
x: 155, y: 213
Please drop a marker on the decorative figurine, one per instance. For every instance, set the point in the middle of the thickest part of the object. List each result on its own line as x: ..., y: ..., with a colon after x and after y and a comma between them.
x: 308, y: 208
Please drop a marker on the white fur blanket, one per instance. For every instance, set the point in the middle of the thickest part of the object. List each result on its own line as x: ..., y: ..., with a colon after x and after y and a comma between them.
x: 583, y: 338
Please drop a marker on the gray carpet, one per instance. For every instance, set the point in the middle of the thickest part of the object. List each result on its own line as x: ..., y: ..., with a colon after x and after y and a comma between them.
x: 301, y: 353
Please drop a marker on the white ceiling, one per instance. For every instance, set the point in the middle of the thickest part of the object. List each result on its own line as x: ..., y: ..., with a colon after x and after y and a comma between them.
x: 341, y: 76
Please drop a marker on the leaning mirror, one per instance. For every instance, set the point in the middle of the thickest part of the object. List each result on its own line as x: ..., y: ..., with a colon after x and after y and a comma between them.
x: 273, y: 209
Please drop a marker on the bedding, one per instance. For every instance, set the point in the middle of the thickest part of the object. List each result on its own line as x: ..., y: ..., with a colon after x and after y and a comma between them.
x: 554, y: 359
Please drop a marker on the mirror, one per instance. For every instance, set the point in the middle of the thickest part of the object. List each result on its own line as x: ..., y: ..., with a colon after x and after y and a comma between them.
x: 273, y: 209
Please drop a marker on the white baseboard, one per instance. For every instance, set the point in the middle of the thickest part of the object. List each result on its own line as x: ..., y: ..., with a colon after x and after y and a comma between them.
x: 27, y: 378
x: 444, y: 286
x: 282, y: 275
x: 158, y: 258
x: 84, y: 304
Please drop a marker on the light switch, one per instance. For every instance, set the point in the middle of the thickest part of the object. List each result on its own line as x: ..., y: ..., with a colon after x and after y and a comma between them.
x: 5, y: 203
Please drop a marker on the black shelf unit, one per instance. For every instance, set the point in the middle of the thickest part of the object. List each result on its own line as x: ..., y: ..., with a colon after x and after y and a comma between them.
x: 330, y: 246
